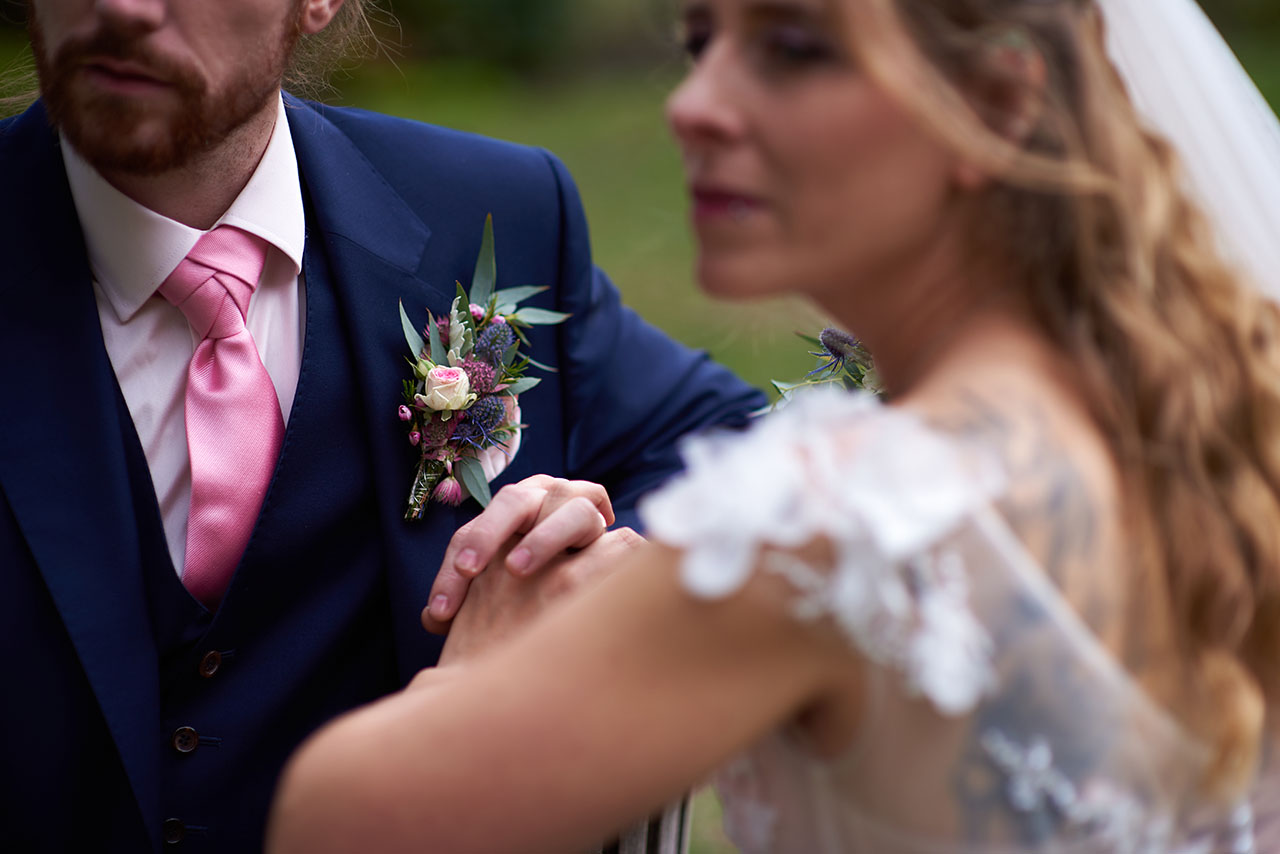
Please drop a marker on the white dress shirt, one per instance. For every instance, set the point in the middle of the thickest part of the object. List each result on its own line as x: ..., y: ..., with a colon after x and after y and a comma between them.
x: 132, y: 250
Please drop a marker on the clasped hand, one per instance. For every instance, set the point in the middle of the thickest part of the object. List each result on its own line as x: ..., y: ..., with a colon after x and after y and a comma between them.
x: 536, y: 541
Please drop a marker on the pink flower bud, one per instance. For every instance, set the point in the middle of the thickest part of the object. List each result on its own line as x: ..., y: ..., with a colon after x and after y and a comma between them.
x: 405, y: 414
x: 499, y: 320
x: 448, y: 491
x: 414, y: 438
x: 477, y: 313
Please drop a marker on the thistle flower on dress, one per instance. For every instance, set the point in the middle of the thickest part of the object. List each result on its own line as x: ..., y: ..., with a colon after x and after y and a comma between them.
x: 841, y: 350
x: 843, y: 360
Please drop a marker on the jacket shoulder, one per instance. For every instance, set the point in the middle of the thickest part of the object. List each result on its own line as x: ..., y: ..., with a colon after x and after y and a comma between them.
x: 413, y: 154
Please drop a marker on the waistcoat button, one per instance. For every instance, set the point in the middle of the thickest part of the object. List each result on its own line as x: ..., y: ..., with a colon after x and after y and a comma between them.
x: 174, y: 830
x: 210, y: 663
x: 185, y: 739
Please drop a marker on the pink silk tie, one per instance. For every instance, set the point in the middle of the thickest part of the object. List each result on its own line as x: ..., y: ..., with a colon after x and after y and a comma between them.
x: 234, y: 426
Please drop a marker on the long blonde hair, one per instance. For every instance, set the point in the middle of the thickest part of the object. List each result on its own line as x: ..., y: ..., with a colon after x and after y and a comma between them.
x: 1177, y: 356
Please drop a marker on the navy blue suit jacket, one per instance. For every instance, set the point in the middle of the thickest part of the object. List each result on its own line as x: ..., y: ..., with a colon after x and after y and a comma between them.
x: 395, y: 212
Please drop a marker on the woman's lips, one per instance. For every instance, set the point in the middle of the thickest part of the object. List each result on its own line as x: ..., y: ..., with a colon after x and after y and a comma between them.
x: 711, y: 203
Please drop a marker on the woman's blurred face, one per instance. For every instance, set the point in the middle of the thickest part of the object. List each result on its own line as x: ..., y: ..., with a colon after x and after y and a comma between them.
x: 804, y: 176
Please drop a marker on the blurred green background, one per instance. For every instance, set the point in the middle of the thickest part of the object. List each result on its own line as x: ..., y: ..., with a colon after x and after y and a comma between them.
x: 587, y: 79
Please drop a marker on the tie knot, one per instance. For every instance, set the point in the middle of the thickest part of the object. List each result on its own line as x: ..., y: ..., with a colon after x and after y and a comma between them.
x: 212, y: 285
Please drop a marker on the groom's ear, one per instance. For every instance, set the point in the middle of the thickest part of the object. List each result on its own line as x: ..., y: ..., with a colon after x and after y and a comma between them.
x: 1007, y: 88
x: 317, y: 14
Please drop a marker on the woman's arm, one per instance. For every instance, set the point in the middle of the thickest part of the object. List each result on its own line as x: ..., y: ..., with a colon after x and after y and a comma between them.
x: 611, y: 707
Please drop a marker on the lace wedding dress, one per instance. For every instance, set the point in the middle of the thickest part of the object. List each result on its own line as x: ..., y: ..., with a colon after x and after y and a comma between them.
x: 994, y: 720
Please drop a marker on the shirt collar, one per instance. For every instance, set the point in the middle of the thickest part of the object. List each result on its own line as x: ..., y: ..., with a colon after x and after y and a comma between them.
x: 132, y: 249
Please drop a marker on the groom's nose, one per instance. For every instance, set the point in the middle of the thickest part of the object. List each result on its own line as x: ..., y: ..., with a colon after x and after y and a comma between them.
x: 132, y: 15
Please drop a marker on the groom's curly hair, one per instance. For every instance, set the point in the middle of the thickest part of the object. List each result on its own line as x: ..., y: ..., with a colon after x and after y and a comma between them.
x: 350, y: 36
x: 1179, y: 357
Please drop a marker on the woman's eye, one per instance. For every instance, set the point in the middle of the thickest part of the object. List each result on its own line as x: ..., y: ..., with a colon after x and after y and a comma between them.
x: 695, y: 43
x: 796, y: 47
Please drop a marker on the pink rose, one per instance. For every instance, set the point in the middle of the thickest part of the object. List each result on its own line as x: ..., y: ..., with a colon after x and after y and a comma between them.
x: 477, y: 313
x: 404, y: 413
x: 447, y: 389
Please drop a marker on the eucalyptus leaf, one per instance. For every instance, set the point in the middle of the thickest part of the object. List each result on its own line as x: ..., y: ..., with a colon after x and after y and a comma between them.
x: 437, y: 346
x: 471, y: 474
x: 486, y: 274
x: 411, y: 334
x: 509, y: 298
x: 541, y: 316
x: 783, y: 388
x: 538, y: 364
x: 510, y: 356
x: 522, y: 385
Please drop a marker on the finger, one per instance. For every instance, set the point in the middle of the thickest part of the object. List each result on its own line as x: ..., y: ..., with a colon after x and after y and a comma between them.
x: 447, y: 593
x: 561, y: 492
x: 575, y: 524
x: 602, y: 558
x: 513, y: 510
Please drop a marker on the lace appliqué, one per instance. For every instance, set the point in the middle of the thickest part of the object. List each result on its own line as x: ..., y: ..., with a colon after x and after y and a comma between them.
x: 878, y: 485
x: 748, y: 816
x: 913, y: 617
x: 1100, y: 814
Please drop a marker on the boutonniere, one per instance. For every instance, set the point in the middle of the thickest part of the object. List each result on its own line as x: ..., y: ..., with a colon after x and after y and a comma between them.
x: 461, y: 410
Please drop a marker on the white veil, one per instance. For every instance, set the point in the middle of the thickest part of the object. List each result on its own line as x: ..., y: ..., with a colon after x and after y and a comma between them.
x: 1189, y: 85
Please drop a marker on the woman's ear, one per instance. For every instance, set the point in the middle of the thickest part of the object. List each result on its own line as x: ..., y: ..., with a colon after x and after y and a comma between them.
x: 1008, y: 91
x: 317, y: 14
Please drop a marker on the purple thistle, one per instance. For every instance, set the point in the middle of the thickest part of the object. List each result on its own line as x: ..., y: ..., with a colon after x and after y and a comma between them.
x: 493, y: 343
x: 485, y: 416
x: 840, y: 349
x: 481, y: 375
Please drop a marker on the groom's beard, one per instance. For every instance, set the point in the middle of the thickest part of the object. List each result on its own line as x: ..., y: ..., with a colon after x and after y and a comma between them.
x: 115, y: 132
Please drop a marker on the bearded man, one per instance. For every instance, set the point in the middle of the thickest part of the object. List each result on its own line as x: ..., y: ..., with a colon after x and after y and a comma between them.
x: 202, y: 476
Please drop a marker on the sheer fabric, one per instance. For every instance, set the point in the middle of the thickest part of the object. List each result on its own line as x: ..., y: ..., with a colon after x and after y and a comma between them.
x: 994, y: 720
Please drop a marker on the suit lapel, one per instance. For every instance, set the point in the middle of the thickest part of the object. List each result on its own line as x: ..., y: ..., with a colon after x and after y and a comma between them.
x: 62, y: 465
x: 375, y: 247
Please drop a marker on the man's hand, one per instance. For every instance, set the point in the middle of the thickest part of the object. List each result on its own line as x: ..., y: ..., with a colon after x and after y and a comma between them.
x: 499, y: 603
x: 545, y: 516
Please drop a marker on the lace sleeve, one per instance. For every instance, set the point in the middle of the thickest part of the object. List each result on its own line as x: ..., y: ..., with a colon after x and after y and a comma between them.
x: 877, y: 485
x: 995, y: 721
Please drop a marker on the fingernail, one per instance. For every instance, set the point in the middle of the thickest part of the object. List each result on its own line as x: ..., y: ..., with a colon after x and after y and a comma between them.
x: 466, y: 560
x: 439, y: 606
x: 520, y: 559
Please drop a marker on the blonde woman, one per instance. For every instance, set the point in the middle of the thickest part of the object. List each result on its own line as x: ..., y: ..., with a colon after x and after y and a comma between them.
x: 1030, y: 604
